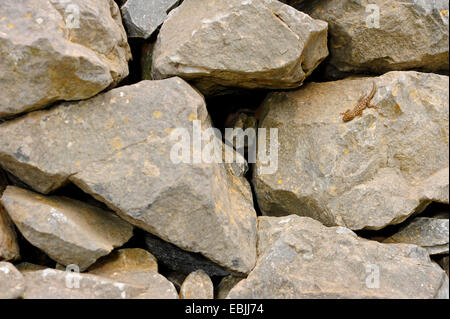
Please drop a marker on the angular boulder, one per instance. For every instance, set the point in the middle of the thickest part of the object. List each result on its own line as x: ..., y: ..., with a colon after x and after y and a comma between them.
x: 12, y: 284
x: 429, y: 233
x: 69, y: 231
x: 381, y: 36
x: 9, y: 247
x: 300, y: 258
x: 117, y: 147
x: 142, y: 17
x: 239, y: 44
x: 367, y: 173
x: 58, y: 50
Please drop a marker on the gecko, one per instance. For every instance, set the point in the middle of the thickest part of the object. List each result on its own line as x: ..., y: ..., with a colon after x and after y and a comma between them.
x: 363, y: 103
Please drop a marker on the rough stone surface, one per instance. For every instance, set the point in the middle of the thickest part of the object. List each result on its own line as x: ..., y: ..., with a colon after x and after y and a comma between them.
x: 239, y: 44
x: 143, y: 17
x: 116, y: 147
x: 48, y: 54
x: 180, y: 260
x: 410, y: 35
x: 69, y: 231
x: 197, y: 285
x: 225, y: 285
x: 9, y: 247
x: 57, y: 284
x: 298, y: 257
x: 126, y: 259
x: 12, y: 284
x: 367, y: 173
x: 429, y: 233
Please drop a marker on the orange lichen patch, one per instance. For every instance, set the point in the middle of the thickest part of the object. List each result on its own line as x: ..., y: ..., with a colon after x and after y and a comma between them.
x: 11, y: 26
x: 116, y: 143
x: 28, y: 15
x: 157, y: 114
x: 126, y: 120
x: 192, y: 117
x: 280, y: 181
x: 3, y: 19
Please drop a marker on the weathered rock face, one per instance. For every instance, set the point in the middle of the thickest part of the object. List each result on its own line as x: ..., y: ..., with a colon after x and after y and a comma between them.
x: 366, y: 173
x: 180, y: 260
x: 429, y: 233
x: 300, y: 258
x: 117, y: 146
x: 126, y: 259
x: 408, y: 35
x: 69, y: 231
x: 26, y: 266
x: 57, y: 284
x: 143, y: 17
x: 55, y: 50
x: 9, y: 247
x: 12, y: 284
x: 245, y: 44
x: 197, y: 285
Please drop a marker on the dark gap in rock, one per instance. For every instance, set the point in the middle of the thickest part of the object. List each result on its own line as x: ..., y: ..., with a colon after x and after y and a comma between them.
x: 248, y: 176
x: 72, y: 191
x: 134, y: 65
x: 221, y: 107
x: 172, y: 258
x: 436, y: 210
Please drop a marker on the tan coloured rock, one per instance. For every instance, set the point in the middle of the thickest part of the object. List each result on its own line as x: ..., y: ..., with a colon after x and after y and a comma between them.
x: 68, y: 231
x: 197, y: 285
x: 300, y: 258
x: 234, y: 43
x: 367, y: 173
x: 11, y: 281
x: 58, y: 50
x: 9, y: 247
x: 117, y: 148
x: 126, y: 259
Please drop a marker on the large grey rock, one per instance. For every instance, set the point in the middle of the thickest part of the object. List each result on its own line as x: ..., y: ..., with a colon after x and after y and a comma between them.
x: 9, y: 247
x: 57, y: 284
x: 180, y: 260
x: 409, y: 35
x: 197, y: 285
x: 116, y: 147
x: 58, y: 50
x: 298, y: 257
x: 370, y: 172
x: 143, y: 17
x: 429, y: 233
x: 69, y: 231
x: 12, y: 284
x: 246, y: 44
